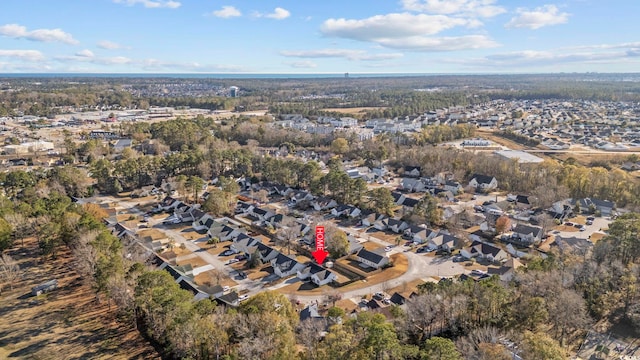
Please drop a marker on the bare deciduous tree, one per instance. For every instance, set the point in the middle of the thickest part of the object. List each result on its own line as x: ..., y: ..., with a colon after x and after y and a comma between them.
x: 9, y: 270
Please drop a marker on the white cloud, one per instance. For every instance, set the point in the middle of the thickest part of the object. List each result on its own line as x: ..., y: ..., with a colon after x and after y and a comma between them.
x: 583, y: 55
x: 109, y: 45
x: 354, y: 55
x: 408, y: 31
x: 303, y: 64
x: 151, y: 4
x: 447, y: 43
x: 539, y: 17
x: 26, y: 55
x: 85, y: 53
x: 227, y: 12
x: 278, y: 14
x: 396, y: 25
x: 470, y: 8
x: 45, y: 35
x: 160, y: 65
x: 80, y: 57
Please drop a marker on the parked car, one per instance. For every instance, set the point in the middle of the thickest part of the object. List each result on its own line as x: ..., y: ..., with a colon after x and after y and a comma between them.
x: 241, y: 257
x: 226, y: 288
x: 458, y: 258
x: 243, y: 297
x: 568, y: 223
x: 388, y: 248
x: 378, y: 296
x: 227, y: 253
x: 242, y: 274
x: 232, y: 261
x: 477, y: 272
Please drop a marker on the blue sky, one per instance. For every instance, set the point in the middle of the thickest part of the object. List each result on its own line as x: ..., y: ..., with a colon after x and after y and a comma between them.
x: 319, y: 36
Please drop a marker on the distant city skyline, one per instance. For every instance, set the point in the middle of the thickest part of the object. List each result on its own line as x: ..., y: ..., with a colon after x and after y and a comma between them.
x: 293, y: 36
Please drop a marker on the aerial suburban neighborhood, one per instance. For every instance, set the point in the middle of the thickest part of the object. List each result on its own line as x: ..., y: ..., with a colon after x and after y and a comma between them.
x: 221, y: 205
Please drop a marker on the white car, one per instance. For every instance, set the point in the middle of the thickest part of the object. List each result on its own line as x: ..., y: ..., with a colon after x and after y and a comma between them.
x: 243, y: 297
x: 232, y: 261
x: 226, y: 288
x: 388, y: 248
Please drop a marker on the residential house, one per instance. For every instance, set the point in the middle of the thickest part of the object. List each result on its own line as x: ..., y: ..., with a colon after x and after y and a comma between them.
x: 284, y: 266
x: 444, y: 242
x: 483, y: 182
x: 371, y: 218
x: 453, y: 186
x: 397, y: 226
x: 323, y: 203
x: 346, y: 211
x: 371, y: 258
x: 421, y: 235
x: 316, y: 274
x: 412, y: 171
x: 223, y: 232
x: 244, y: 245
x: 243, y: 208
x: 230, y: 299
x: 310, y: 313
x: 484, y: 251
x: 267, y: 253
x: 203, y: 223
x: 591, y: 205
x: 527, y: 234
x: 523, y: 202
x: 300, y: 196
x: 260, y: 214
x: 408, y: 204
x: 561, y: 209
x: 168, y: 204
x: 574, y: 244
x: 412, y: 185
x: 354, y: 244
x: 507, y: 270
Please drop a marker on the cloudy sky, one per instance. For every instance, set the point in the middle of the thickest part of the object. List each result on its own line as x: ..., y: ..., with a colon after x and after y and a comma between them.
x: 319, y: 36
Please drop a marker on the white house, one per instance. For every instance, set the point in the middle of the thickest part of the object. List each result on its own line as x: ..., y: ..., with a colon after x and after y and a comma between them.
x: 284, y: 266
x: 317, y: 274
x: 484, y: 251
x: 372, y: 259
x: 483, y: 182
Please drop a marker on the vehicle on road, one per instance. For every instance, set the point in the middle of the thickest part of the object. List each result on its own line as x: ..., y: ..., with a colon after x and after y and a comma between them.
x: 425, y: 249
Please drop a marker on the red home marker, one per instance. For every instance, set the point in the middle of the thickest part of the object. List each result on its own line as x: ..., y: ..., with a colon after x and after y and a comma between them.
x: 320, y: 254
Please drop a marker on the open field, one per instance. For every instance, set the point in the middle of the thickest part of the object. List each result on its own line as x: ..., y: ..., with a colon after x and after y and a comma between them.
x: 67, y: 323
